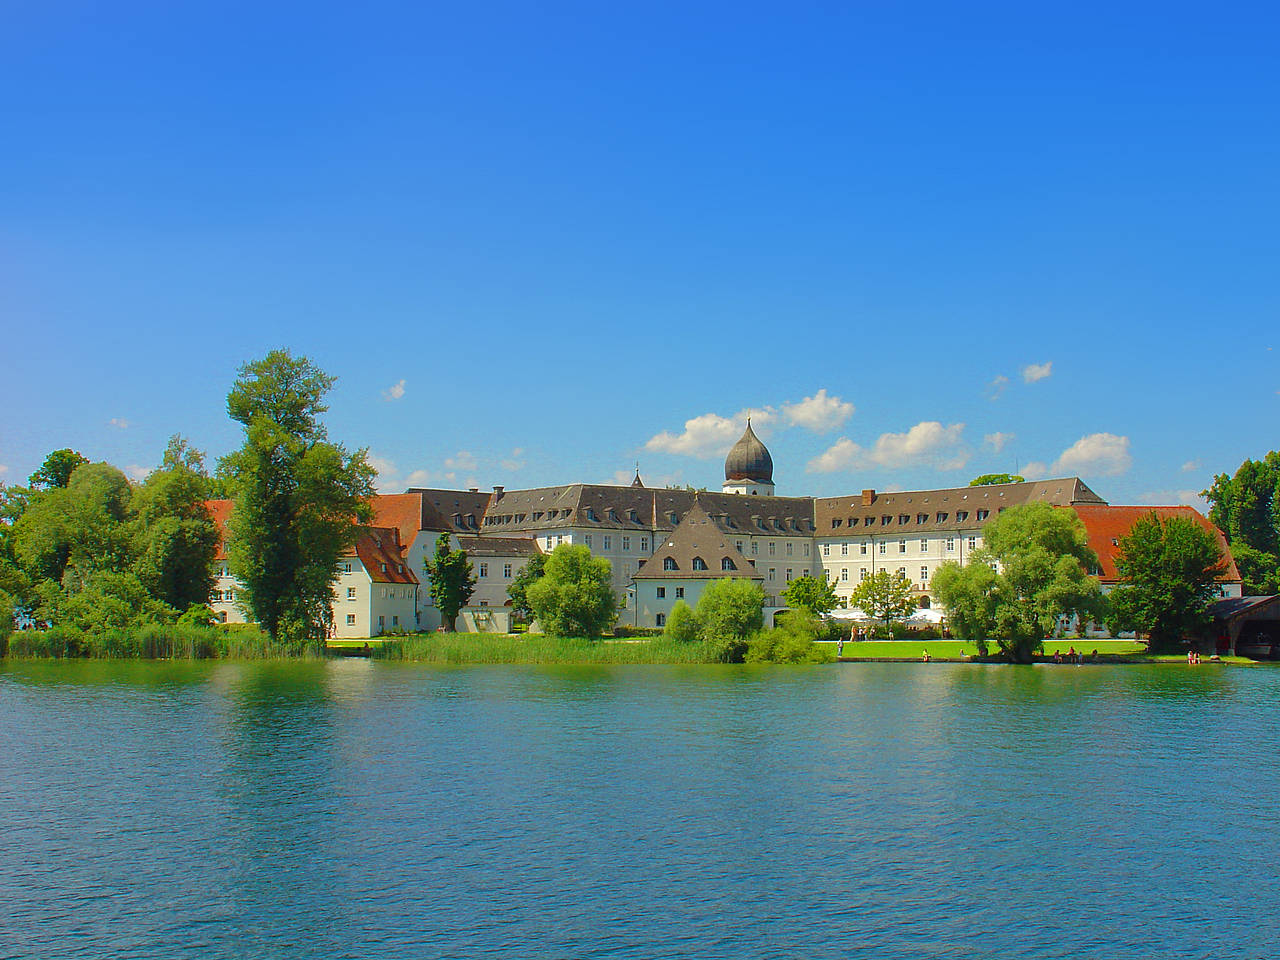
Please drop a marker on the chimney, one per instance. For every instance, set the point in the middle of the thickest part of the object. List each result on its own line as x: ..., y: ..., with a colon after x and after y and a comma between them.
x: 473, y: 489
x: 868, y: 497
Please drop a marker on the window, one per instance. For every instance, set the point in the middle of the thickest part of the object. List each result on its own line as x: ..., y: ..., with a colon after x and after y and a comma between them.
x: 669, y: 563
x: 346, y: 568
x: 217, y: 595
x: 755, y: 548
x: 229, y: 595
x: 922, y: 518
x: 868, y: 521
x: 902, y: 546
x: 626, y: 543
x: 942, y: 517
x: 773, y: 548
x: 382, y: 622
x: 844, y: 573
x: 660, y: 620
x: 844, y: 549
x: 587, y: 540
x: 679, y: 593
x: 790, y: 548
x: 699, y: 563
x: 222, y: 615
x: 883, y: 547
x: 788, y: 574
x: 483, y: 603
x: 484, y: 570
x: 662, y: 593
x: 351, y: 593
x: 644, y: 544
x: 383, y: 566
x: 951, y: 544
x: 862, y: 573
x: 506, y: 571
x: 973, y: 543
x: 738, y: 545
x: 773, y: 574
x: 727, y: 564
x: 924, y: 544
x: 902, y: 573
x: 962, y: 516
x: 826, y: 549
x: 806, y: 548
x: 924, y: 574
x: 983, y: 514
x: 395, y: 621
x: 351, y: 619
x: 608, y: 542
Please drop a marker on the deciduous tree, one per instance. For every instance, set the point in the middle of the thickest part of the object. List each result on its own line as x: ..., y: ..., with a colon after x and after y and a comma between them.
x: 451, y: 581
x: 57, y: 469
x: 298, y: 496
x: 884, y: 596
x: 730, y: 611
x: 816, y: 595
x: 518, y: 591
x: 1169, y: 568
x: 989, y: 479
x: 575, y: 596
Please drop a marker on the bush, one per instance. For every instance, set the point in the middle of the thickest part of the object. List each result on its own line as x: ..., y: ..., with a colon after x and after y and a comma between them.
x: 683, y: 624
x: 574, y: 597
x: 730, y: 612
x: 626, y: 632
x: 792, y: 642
x: 148, y: 642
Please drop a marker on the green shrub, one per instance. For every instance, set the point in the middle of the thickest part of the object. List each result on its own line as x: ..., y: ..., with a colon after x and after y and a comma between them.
x: 792, y: 642
x: 683, y: 625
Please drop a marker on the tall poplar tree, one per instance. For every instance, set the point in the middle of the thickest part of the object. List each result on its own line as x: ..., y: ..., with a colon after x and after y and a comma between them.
x: 297, y: 497
x: 451, y: 581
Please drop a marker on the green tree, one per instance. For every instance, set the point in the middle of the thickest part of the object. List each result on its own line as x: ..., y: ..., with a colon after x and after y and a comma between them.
x: 884, y: 596
x: 451, y: 581
x: 56, y: 470
x: 518, y: 591
x: 1043, y: 555
x: 683, y: 624
x: 80, y: 525
x: 1169, y: 569
x: 817, y: 595
x: 791, y: 641
x: 575, y: 596
x: 1246, y: 507
x: 969, y: 595
x: 989, y: 479
x: 175, y: 538
x: 298, y: 497
x: 730, y: 611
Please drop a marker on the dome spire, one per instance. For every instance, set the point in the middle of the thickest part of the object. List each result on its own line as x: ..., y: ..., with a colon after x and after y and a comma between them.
x: 748, y: 468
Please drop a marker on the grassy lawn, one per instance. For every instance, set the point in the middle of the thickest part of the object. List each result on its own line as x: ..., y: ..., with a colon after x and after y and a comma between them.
x: 915, y: 649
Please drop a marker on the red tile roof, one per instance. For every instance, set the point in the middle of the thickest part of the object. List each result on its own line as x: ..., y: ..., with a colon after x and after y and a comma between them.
x: 220, y: 510
x: 382, y: 554
x: 1106, y: 525
x: 408, y: 513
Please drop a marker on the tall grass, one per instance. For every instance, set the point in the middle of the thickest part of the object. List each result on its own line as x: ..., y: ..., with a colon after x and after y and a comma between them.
x: 155, y: 642
x: 459, y: 648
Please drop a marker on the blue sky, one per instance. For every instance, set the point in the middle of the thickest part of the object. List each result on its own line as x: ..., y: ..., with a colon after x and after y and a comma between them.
x: 539, y: 242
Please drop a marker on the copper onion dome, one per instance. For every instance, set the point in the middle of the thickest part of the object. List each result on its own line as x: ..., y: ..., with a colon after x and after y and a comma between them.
x: 749, y: 460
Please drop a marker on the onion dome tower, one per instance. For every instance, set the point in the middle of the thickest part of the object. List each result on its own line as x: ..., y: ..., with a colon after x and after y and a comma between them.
x: 748, y: 469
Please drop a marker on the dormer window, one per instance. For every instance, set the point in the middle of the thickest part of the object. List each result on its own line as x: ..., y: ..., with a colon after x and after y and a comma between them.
x: 674, y: 517
x: 904, y: 518
x: 669, y: 563
x: 835, y: 522
x: 699, y: 563
x: 383, y: 566
x: 633, y: 516
x: 983, y: 514
x: 885, y: 521
x: 868, y: 521
x: 727, y: 564
x: 961, y: 516
x: 922, y: 518
x: 942, y: 517
x: 537, y: 515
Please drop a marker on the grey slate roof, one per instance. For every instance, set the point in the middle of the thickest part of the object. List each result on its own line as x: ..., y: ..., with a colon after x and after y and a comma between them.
x: 697, y: 537
x: 498, y: 546
x: 912, y: 512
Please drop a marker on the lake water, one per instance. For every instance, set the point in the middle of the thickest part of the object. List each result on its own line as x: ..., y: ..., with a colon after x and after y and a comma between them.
x: 357, y: 809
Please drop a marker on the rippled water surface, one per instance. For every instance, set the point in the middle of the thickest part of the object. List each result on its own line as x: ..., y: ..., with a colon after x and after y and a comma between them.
x: 354, y: 809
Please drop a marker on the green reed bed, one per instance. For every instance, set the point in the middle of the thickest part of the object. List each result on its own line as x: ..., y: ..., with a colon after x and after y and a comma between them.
x: 459, y: 648
x: 158, y: 642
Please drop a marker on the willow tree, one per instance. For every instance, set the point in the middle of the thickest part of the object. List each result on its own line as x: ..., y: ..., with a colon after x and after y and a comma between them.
x: 297, y: 497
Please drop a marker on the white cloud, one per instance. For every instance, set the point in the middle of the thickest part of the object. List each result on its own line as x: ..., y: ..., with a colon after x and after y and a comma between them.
x: 1036, y: 371
x: 3, y: 469
x: 394, y: 392
x: 997, y: 387
x: 711, y: 435
x: 1035, y: 470
x: 513, y: 462
x: 1191, y: 466
x: 1098, y: 454
x: 137, y: 473
x: 928, y: 443
x: 462, y: 460
x: 388, y: 478
x: 819, y: 413
x: 1163, y: 498
x: 120, y: 423
x: 998, y: 441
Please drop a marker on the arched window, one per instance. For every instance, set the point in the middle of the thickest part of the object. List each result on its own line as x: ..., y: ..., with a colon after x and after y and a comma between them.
x: 727, y: 564
x: 699, y: 563
x: 669, y: 563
